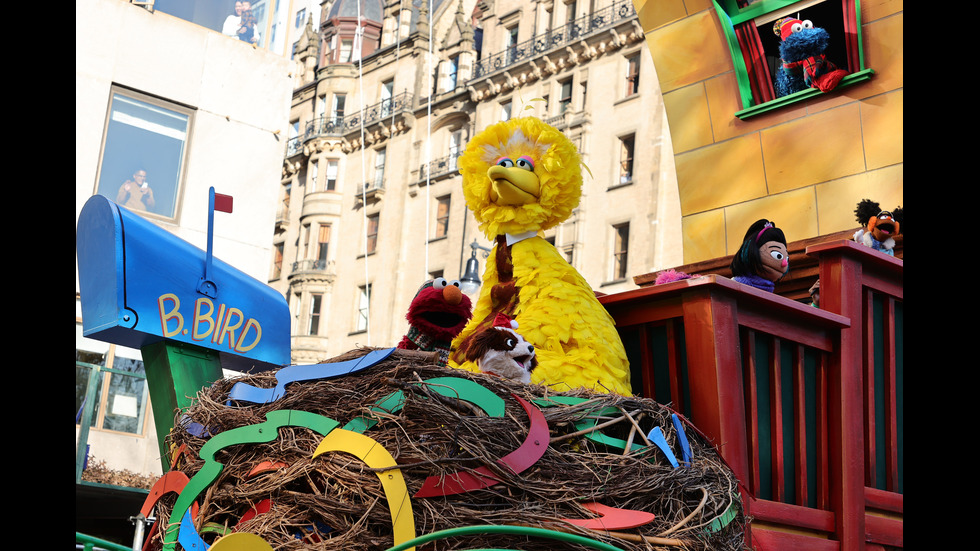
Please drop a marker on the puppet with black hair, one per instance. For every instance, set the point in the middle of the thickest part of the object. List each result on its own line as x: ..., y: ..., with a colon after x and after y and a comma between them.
x: 763, y: 258
x: 878, y: 227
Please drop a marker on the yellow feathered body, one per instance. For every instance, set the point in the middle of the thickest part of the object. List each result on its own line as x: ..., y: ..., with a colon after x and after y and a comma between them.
x: 556, y: 310
x: 575, y: 338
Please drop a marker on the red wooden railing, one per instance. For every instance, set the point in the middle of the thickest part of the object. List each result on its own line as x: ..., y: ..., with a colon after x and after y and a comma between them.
x: 787, y: 392
x: 868, y: 288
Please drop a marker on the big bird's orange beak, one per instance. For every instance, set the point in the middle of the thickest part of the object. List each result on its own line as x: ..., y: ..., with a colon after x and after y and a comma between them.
x: 513, y: 186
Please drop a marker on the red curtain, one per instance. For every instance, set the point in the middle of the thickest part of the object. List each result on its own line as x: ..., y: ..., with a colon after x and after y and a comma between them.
x: 851, y: 35
x: 755, y: 62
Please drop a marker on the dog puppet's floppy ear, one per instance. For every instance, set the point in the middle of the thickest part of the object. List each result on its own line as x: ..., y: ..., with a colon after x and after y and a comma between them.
x: 482, y: 343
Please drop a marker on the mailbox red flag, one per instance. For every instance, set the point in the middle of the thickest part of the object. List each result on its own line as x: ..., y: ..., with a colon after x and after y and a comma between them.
x: 222, y: 202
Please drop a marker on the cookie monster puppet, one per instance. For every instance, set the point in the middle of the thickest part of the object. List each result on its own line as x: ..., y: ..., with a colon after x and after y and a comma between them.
x: 804, y: 64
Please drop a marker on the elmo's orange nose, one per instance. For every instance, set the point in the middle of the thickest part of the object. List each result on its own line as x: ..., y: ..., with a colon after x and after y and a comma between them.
x: 452, y: 294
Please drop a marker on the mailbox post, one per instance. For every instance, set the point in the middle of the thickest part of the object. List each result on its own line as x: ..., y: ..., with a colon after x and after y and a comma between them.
x: 190, y: 315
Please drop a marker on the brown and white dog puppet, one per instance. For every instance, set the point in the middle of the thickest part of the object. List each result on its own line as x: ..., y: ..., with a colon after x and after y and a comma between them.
x: 502, y: 351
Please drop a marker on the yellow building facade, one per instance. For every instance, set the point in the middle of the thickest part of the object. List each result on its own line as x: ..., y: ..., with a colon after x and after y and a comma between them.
x: 806, y: 164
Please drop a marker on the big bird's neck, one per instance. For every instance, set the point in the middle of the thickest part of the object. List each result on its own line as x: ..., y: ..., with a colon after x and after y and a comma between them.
x: 517, y: 237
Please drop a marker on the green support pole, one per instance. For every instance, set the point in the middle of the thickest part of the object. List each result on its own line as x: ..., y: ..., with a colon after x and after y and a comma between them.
x: 175, y: 372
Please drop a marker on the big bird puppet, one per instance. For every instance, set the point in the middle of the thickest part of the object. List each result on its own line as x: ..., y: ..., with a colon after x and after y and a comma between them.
x: 521, y: 177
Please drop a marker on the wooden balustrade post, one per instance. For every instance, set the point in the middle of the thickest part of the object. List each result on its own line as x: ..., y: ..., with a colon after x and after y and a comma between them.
x: 717, y: 398
x: 841, y: 292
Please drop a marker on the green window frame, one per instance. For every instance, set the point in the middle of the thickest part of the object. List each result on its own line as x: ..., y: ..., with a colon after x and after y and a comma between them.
x: 732, y: 16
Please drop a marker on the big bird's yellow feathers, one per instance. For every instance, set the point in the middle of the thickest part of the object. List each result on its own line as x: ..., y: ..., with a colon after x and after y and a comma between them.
x: 520, y: 177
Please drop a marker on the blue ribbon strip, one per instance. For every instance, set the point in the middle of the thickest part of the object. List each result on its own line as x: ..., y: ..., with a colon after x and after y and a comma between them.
x: 295, y: 373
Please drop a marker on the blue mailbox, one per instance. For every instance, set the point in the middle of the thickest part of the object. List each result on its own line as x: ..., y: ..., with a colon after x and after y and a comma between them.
x: 140, y: 285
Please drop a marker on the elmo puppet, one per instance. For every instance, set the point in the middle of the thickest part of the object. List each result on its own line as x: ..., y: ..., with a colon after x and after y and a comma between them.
x: 436, y: 315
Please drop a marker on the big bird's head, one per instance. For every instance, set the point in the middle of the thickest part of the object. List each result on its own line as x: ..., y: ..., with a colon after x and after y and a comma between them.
x: 520, y: 175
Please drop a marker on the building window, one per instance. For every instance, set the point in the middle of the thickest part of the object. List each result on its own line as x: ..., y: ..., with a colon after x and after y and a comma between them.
x: 621, y: 243
x: 143, y: 153
x: 363, y: 308
x: 277, y: 261
x: 300, y: 18
x: 379, y: 169
x: 565, y: 97
x: 323, y: 244
x: 346, y: 48
x: 314, y: 172
x: 294, y: 309
x: 331, y: 184
x: 284, y: 208
x: 339, y: 103
x: 633, y: 75
x: 321, y: 106
x: 750, y: 28
x: 387, y: 93
x: 304, y: 252
x: 453, y: 70
x: 455, y: 148
x: 547, y: 14
x: 505, y: 108
x: 120, y: 397
x: 626, y: 144
x: 569, y: 252
x: 570, y: 8
x: 442, y: 215
x: 372, y: 232
x: 313, y: 327
x: 510, y: 43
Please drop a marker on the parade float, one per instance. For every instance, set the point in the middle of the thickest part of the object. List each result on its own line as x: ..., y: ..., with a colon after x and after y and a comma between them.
x: 384, y: 448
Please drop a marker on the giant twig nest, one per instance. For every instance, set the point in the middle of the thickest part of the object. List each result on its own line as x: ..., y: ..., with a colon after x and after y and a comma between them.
x: 335, y: 501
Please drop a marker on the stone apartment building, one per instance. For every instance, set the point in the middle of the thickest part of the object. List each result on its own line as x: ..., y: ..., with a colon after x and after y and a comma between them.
x: 371, y: 203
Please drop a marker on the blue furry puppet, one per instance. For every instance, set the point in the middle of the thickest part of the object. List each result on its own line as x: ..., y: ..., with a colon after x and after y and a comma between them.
x: 878, y: 227
x: 804, y: 63
x: 762, y: 260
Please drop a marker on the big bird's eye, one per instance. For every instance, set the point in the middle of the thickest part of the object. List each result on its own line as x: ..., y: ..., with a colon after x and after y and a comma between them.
x: 505, y: 162
x: 807, y: 24
x: 797, y: 27
x: 439, y: 283
x: 776, y: 254
x: 526, y: 163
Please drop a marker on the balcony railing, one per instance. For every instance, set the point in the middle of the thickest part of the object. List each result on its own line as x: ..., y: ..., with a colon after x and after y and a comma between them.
x: 439, y: 167
x: 349, y: 124
x: 567, y: 34
x: 307, y: 266
x: 803, y: 403
x: 324, y: 126
x: 370, y: 187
